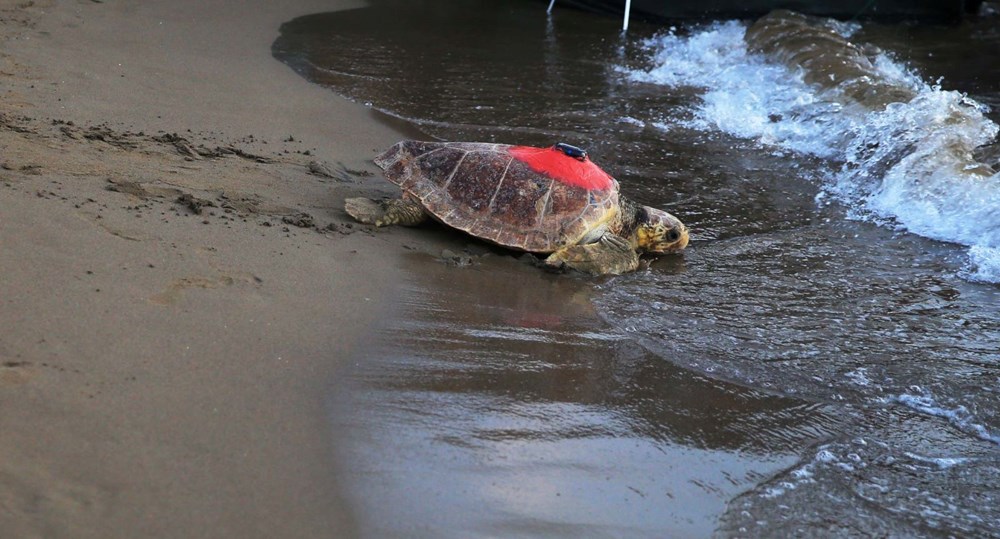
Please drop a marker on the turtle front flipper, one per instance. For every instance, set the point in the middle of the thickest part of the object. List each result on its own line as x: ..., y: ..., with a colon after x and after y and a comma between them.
x: 611, y: 255
x: 400, y: 211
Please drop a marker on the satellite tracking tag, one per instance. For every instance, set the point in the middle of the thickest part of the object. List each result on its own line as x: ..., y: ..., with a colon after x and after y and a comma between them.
x: 572, y: 151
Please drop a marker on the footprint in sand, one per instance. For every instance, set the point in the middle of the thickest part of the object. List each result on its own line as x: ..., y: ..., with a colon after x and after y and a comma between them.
x: 175, y: 289
x: 37, y: 501
x: 14, y: 372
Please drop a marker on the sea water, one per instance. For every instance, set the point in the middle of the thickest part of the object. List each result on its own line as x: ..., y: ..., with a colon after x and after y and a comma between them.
x: 823, y: 359
x: 907, y: 166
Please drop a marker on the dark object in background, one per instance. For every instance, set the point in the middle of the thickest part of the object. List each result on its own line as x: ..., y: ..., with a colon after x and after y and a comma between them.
x: 889, y: 10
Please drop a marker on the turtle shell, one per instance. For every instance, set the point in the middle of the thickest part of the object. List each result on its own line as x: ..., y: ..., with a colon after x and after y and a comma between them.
x: 534, y: 199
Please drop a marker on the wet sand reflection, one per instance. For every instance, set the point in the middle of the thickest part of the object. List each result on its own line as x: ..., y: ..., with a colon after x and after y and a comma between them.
x: 494, y: 402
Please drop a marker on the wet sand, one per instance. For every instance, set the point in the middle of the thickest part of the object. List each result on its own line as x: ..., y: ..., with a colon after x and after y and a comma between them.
x: 498, y: 405
x: 180, y: 285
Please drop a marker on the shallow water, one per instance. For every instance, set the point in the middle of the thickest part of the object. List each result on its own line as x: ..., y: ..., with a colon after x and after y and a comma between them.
x: 817, y: 363
x: 500, y: 405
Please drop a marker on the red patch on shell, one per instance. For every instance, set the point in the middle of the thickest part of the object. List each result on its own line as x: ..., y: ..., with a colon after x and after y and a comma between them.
x: 563, y: 168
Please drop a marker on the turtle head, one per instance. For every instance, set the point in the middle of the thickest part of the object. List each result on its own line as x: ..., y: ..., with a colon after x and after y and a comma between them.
x: 659, y: 232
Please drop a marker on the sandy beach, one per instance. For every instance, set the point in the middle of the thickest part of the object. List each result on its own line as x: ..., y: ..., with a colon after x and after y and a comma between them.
x: 179, y: 280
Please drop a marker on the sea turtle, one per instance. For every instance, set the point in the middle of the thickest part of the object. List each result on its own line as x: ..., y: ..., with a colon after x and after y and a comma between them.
x: 552, y: 200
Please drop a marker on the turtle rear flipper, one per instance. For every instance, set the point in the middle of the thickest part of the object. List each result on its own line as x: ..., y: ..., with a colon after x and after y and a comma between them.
x: 611, y: 255
x: 399, y: 211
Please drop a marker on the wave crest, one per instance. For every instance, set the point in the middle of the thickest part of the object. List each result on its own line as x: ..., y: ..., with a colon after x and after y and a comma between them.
x: 900, y: 150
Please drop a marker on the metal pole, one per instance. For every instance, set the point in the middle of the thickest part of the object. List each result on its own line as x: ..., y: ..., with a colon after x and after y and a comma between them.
x: 628, y: 8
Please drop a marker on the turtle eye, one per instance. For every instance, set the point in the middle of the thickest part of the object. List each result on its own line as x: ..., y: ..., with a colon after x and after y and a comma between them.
x: 673, y: 235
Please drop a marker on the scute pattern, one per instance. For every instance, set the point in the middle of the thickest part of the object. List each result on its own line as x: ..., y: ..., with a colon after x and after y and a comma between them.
x: 483, y: 190
x: 521, y: 199
x: 475, y: 180
x: 439, y: 159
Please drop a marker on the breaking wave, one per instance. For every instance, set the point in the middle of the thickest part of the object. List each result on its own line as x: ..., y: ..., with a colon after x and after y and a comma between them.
x: 908, y: 165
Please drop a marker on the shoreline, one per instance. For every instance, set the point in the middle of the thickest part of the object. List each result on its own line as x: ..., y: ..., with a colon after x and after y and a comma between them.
x: 180, y: 283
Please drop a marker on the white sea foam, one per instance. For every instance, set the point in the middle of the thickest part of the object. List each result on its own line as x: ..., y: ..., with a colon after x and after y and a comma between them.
x: 984, y: 264
x: 959, y: 416
x: 942, y: 463
x: 907, y: 166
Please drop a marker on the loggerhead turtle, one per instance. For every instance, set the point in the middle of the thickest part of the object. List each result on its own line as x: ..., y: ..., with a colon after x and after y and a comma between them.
x: 542, y: 200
